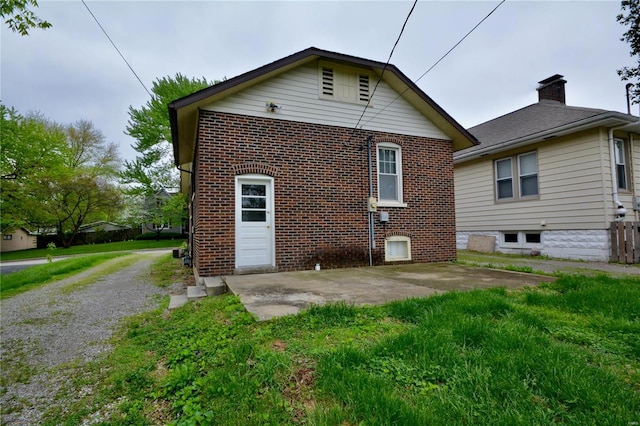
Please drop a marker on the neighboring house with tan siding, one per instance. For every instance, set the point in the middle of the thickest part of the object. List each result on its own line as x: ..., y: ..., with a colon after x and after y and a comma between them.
x: 542, y: 179
x: 18, y: 239
x: 282, y: 173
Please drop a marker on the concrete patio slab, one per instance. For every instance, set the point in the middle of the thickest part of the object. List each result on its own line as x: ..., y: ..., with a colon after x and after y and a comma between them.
x: 279, y: 294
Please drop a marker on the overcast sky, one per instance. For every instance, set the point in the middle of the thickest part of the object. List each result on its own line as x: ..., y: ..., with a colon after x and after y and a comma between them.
x: 71, y: 71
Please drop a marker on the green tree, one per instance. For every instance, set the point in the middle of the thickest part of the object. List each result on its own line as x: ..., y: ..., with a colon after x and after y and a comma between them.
x: 19, y: 18
x: 149, y: 126
x: 630, y: 17
x: 83, y: 190
x: 55, y: 176
x: 32, y: 148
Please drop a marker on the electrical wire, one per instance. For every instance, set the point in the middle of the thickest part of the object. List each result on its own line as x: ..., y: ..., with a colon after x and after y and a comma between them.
x: 437, y: 62
x: 383, y: 70
x: 116, y: 47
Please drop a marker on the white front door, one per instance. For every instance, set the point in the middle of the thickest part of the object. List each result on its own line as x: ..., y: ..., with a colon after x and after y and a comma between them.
x: 254, y: 221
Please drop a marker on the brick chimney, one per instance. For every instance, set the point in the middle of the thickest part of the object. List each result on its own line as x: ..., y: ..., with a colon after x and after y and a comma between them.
x: 552, y: 89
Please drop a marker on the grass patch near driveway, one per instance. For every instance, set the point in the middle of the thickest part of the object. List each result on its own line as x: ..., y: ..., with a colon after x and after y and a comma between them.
x: 566, y: 352
x: 34, y: 276
x: 91, y: 248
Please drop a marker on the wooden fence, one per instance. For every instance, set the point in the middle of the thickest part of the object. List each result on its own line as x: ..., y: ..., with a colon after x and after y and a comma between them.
x: 625, y: 242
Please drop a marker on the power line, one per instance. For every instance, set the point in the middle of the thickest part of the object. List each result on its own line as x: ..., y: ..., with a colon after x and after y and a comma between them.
x: 384, y: 68
x: 116, y: 47
x: 438, y: 61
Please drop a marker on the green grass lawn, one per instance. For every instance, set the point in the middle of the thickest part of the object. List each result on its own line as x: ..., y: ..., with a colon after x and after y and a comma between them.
x: 35, y: 276
x: 562, y: 353
x: 91, y: 248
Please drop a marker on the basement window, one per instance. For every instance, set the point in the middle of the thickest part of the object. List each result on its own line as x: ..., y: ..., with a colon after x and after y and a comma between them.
x: 532, y: 237
x: 397, y: 248
x: 521, y: 238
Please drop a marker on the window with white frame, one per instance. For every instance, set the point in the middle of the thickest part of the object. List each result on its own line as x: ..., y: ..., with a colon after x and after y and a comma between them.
x: 520, y: 238
x: 525, y: 167
x: 621, y: 163
x: 389, y: 174
x: 397, y: 248
x: 504, y: 179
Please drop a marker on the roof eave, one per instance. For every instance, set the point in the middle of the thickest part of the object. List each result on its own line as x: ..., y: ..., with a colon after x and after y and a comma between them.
x: 183, y: 112
x: 610, y: 119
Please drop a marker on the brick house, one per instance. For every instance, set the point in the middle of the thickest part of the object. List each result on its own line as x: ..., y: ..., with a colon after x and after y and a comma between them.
x: 302, y: 162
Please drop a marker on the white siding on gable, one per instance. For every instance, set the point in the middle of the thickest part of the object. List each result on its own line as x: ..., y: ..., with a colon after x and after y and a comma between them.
x: 574, y: 190
x: 297, y: 93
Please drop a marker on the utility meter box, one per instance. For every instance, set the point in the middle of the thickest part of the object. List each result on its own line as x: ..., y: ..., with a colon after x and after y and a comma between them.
x: 373, y: 204
x: 384, y: 217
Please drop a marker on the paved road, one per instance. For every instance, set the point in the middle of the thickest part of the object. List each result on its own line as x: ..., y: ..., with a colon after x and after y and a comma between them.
x: 19, y: 265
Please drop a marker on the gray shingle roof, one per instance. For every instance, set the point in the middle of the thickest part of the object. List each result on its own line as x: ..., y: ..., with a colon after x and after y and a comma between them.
x: 530, y: 120
x: 538, y: 122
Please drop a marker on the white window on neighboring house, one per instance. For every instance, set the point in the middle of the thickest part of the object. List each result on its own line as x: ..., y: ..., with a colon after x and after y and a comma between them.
x: 7, y: 237
x: 621, y: 163
x: 525, y: 167
x: 528, y: 172
x: 343, y: 84
x: 397, y: 248
x: 504, y: 179
x: 389, y: 175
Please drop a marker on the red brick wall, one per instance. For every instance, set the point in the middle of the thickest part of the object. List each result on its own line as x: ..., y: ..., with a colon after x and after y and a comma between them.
x: 320, y: 190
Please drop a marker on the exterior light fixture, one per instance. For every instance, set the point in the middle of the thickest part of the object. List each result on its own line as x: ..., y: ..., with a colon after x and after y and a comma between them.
x: 272, y: 106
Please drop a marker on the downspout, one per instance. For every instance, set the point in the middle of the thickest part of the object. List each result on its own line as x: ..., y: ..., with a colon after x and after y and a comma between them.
x: 372, y: 240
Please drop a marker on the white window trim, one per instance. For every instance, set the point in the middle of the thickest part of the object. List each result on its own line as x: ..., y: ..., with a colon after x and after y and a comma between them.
x: 520, y: 176
x: 522, y: 240
x: 391, y: 203
x: 497, y: 180
x: 397, y: 238
x: 515, y: 174
x: 622, y: 152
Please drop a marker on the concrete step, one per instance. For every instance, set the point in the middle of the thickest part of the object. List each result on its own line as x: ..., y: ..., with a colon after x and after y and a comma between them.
x: 177, y: 300
x: 195, y: 292
x: 214, y: 286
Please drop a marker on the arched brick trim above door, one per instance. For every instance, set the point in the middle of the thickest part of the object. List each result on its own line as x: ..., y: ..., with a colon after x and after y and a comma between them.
x: 255, y: 168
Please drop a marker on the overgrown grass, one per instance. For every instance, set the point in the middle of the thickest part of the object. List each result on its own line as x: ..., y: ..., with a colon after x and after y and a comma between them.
x: 34, y: 276
x: 566, y: 353
x: 91, y: 248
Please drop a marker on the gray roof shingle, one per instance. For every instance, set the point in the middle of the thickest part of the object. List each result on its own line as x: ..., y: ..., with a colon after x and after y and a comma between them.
x: 537, y: 122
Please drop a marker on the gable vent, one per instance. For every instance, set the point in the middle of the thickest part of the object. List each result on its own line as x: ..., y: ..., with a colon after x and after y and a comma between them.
x: 327, y: 81
x: 363, y: 88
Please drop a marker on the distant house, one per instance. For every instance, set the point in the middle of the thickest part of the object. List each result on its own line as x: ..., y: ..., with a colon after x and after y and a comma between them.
x: 155, y: 220
x: 103, y: 231
x: 299, y: 163
x: 549, y: 178
x: 18, y: 239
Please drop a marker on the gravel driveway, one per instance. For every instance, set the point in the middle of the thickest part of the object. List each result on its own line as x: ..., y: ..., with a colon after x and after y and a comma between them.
x: 46, y: 331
